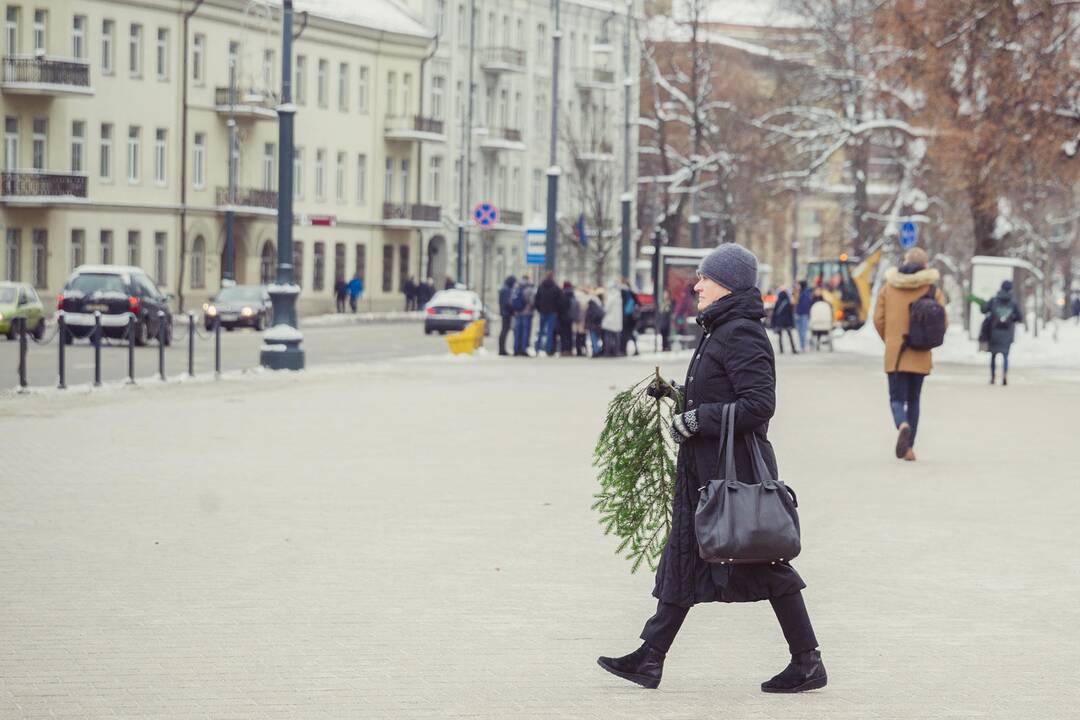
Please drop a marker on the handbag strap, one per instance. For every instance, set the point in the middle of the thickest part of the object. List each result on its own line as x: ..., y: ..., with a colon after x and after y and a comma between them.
x: 725, y: 464
x: 761, y: 468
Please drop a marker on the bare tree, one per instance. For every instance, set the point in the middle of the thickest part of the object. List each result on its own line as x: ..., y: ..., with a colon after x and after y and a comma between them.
x: 593, y: 180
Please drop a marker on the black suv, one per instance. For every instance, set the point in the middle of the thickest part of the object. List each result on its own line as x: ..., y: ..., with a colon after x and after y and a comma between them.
x: 117, y: 292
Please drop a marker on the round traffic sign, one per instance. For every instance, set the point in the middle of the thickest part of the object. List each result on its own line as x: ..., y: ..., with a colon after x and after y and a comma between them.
x: 485, y: 214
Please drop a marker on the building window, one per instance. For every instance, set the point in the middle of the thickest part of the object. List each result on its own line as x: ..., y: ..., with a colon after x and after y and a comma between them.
x: 78, y: 146
x: 78, y: 37
x: 403, y: 265
x: 541, y: 110
x: 321, y: 90
x: 298, y: 262
x: 232, y: 59
x: 106, y: 247
x: 404, y: 180
x: 515, y: 112
x: 133, y: 253
x: 339, y: 180
x: 11, y: 30
x: 435, y: 178
x: 268, y: 166
x: 406, y: 95
x: 462, y: 23
x: 78, y: 248
x: 11, y: 143
x: 440, y: 17
x: 388, y: 181
x: 106, y: 151
x: 361, y: 262
x: 135, y: 51
x: 40, y: 142
x: 459, y: 101
x: 361, y: 179
x: 159, y: 155
x: 515, y: 189
x: 198, y: 59
x: 343, y: 87
x: 133, y: 146
x: 161, y: 249
x: 391, y: 94
x: 198, y: 262
x: 438, y: 92
x: 537, y: 190
x: 318, y: 266
x: 162, y: 55
x: 40, y: 21
x: 198, y: 172
x: 320, y: 174
x: 266, y: 263
x: 12, y: 254
x: 268, y: 70
x: 362, y: 91
x: 298, y: 172
x: 299, y: 88
x: 388, y: 268
x: 339, y: 262
x: 457, y: 181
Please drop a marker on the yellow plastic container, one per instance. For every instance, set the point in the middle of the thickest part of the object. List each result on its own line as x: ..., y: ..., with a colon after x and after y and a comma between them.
x: 468, y: 340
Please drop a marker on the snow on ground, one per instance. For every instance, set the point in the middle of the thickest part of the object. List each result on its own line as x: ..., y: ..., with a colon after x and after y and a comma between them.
x: 1058, y: 345
x: 337, y: 319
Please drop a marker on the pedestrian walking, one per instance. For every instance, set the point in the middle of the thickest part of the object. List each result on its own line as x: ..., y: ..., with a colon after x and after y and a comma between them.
x: 581, y: 298
x: 522, y: 303
x: 821, y: 320
x: 355, y: 290
x: 631, y: 310
x: 664, y: 312
x: 340, y: 292
x: 449, y: 283
x: 802, y: 313
x: 594, y: 319
x: 1076, y: 309
x: 409, y: 288
x: 906, y: 367
x: 424, y: 293
x: 548, y: 298
x: 783, y: 320
x: 612, y: 324
x: 734, y: 365
x: 568, y: 308
x: 506, y: 311
x: 1003, y: 313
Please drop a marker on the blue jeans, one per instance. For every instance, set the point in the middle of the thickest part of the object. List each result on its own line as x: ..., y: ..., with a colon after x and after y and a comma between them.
x: 905, y: 389
x: 546, y: 338
x: 1004, y: 364
x: 802, y: 325
x: 522, y: 331
x: 594, y: 338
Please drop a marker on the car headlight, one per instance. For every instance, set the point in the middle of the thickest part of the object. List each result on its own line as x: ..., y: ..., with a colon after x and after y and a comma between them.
x: 211, y: 310
x: 247, y: 312
x: 1, y: 316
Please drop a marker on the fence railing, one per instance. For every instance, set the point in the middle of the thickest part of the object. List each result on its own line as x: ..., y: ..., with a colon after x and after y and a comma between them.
x: 503, y: 133
x: 257, y: 98
x: 41, y: 184
x: 594, y: 76
x: 511, y: 217
x: 502, y: 56
x: 418, y: 123
x: 46, y: 71
x: 424, y: 213
x: 248, y: 197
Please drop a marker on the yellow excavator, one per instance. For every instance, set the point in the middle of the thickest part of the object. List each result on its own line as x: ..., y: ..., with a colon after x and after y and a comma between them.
x: 845, y: 284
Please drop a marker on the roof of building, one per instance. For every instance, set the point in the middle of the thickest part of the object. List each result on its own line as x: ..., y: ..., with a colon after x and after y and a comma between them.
x: 385, y: 15
x: 758, y: 13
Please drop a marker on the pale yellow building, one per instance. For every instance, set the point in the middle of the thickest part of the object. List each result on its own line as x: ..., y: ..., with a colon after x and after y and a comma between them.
x: 104, y: 161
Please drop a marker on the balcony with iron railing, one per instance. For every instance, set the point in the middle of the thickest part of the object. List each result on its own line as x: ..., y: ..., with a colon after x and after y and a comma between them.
x: 251, y: 199
x: 245, y: 103
x: 415, y: 128
x: 511, y: 217
x: 594, y: 78
x: 500, y: 138
x: 409, y: 214
x: 40, y: 75
x: 40, y: 187
x: 600, y: 151
x: 502, y: 59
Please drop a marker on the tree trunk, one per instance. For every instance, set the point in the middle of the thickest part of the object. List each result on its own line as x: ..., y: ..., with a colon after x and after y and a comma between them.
x: 861, y: 224
x: 984, y: 221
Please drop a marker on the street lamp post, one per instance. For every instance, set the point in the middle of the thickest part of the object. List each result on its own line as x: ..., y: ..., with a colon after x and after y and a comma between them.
x: 465, y: 161
x: 281, y: 343
x: 627, y: 196
x: 551, y: 240
x: 228, y: 265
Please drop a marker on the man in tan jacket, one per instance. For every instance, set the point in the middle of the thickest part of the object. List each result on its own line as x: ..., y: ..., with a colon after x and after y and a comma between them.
x: 906, y: 368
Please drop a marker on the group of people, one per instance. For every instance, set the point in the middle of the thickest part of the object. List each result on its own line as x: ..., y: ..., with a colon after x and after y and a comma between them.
x: 417, y: 294
x: 583, y: 321
x: 809, y: 314
x: 352, y: 290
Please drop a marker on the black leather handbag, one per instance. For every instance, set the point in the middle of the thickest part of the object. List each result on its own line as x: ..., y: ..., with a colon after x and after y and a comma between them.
x: 743, y: 523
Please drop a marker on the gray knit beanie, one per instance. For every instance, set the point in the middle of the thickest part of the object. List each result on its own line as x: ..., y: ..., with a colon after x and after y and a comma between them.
x: 731, y: 265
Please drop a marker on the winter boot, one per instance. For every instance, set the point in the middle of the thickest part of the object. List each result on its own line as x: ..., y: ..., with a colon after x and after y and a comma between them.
x: 910, y: 455
x: 643, y: 666
x: 903, y: 440
x: 804, y: 672
x: 1004, y: 379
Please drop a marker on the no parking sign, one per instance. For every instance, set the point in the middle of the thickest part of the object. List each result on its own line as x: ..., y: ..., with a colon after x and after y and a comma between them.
x: 485, y: 214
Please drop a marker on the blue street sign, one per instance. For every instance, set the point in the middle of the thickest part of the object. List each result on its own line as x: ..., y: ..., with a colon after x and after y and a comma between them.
x: 909, y: 235
x: 485, y: 214
x: 535, y: 246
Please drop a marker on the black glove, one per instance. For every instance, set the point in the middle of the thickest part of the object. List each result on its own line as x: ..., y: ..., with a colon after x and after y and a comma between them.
x: 684, y: 426
x: 661, y: 389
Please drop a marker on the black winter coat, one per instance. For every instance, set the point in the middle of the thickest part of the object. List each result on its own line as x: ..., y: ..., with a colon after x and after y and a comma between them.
x: 1004, y: 313
x: 548, y: 297
x: 733, y: 364
x: 783, y: 317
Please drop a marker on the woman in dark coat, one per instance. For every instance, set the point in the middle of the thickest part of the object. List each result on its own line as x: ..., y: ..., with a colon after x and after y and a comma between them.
x: 783, y: 320
x: 733, y: 365
x: 1002, y: 313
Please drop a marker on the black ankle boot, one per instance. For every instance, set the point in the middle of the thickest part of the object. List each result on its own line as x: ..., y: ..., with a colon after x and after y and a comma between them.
x: 643, y: 666
x: 805, y: 672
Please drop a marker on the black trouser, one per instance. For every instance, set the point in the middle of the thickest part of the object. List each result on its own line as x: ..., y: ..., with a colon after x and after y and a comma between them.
x: 791, y: 340
x: 340, y: 303
x: 660, y: 630
x: 905, y: 391
x: 504, y: 330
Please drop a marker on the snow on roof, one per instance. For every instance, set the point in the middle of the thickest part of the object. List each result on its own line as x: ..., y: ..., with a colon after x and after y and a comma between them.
x: 753, y: 13
x: 670, y: 29
x: 386, y: 15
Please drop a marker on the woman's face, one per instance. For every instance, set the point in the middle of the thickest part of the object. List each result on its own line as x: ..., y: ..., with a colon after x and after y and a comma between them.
x: 708, y: 291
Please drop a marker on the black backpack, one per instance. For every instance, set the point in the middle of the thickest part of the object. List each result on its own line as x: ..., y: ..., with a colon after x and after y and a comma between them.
x: 517, y: 299
x: 926, y: 329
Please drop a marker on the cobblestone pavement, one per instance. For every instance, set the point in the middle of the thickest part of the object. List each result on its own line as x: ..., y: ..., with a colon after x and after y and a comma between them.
x: 414, y: 540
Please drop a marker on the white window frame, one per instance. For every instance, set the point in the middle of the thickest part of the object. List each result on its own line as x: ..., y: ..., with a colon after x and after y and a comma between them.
x: 134, y: 152
x: 322, y: 83
x: 78, y: 146
x: 12, y: 254
x: 198, y: 161
x: 269, y: 163
x: 161, y: 256
x: 268, y: 69
x: 343, y: 87
x: 78, y: 37
x: 391, y: 94
x: 406, y: 95
x: 105, y: 152
x: 41, y: 32
x: 135, y: 50
x: 105, y: 247
x: 362, y: 89
x: 77, y: 255
x: 161, y: 56
x: 388, y: 181
x: 438, y: 96
x: 298, y: 172
x: 404, y: 181
x: 198, y: 59
x: 161, y: 143
x: 134, y: 248
x: 361, y: 179
x: 11, y: 30
x: 299, y: 78
x: 320, y: 174
x: 39, y: 258
x: 39, y: 146
x: 435, y: 179
x: 108, y: 46
x: 339, y: 179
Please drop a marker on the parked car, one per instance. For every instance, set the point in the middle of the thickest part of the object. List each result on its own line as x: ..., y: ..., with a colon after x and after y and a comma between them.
x: 19, y: 300
x: 117, y: 292
x: 452, y: 310
x: 239, y: 305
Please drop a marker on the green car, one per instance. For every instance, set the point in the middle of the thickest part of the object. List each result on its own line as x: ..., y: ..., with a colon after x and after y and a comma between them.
x: 19, y: 300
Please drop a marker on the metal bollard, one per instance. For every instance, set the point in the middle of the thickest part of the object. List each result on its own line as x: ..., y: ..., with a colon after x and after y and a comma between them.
x: 217, y: 347
x: 131, y: 349
x: 61, y: 334
x: 97, y: 348
x: 22, y: 351
x: 161, y: 344
x: 191, y: 344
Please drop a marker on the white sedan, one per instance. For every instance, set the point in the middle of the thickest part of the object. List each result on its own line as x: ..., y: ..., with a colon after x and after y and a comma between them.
x: 451, y: 311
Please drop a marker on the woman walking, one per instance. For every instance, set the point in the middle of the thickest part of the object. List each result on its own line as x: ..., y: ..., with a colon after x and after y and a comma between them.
x: 1003, y: 314
x: 734, y: 364
x: 783, y: 321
